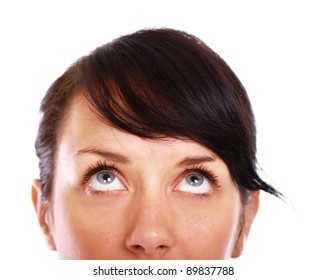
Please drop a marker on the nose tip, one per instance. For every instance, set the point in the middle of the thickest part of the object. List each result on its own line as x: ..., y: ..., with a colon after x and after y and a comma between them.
x: 153, y: 243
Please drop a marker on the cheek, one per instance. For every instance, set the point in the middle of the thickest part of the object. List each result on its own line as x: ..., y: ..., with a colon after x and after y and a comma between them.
x: 81, y: 233
x: 212, y: 231
x: 210, y: 237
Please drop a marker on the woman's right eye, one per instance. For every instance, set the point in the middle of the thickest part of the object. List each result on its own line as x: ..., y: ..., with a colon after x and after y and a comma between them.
x: 105, y: 181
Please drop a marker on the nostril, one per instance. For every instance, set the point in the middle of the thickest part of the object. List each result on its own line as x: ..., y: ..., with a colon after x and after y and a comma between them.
x: 137, y: 248
x: 140, y: 249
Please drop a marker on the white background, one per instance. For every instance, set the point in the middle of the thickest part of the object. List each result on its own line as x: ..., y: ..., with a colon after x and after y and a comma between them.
x: 276, y: 48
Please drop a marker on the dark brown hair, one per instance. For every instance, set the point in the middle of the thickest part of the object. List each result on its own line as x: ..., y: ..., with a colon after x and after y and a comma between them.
x: 159, y: 83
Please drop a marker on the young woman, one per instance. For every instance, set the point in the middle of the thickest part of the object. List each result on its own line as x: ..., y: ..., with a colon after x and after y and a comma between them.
x: 147, y: 151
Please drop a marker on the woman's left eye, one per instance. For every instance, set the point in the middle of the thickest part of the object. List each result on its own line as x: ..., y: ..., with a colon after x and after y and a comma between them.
x: 105, y: 181
x: 195, y: 183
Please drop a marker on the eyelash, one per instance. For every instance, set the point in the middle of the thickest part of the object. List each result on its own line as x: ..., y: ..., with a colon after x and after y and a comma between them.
x: 93, y: 169
x: 102, y: 165
x: 210, y: 176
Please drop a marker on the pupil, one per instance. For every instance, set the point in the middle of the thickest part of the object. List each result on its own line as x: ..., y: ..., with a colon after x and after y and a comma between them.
x: 194, y: 180
x: 106, y: 178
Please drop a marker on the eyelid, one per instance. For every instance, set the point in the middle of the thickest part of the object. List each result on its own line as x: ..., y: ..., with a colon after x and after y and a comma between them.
x: 98, y: 167
x: 203, y: 192
x: 201, y: 169
x: 94, y: 170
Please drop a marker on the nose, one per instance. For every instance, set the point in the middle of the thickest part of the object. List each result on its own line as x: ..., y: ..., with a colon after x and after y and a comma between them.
x: 150, y: 234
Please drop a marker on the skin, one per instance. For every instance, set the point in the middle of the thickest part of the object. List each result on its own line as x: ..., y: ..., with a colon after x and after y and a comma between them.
x: 149, y: 211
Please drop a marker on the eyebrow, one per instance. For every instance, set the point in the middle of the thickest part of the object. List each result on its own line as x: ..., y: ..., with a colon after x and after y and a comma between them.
x: 119, y: 158
x: 194, y: 160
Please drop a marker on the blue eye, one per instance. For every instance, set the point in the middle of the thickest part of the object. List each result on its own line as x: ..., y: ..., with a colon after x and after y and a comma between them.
x: 195, y: 180
x: 195, y: 183
x: 105, y: 181
x: 105, y: 177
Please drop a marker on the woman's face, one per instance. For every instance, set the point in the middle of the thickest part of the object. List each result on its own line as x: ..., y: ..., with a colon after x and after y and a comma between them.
x: 117, y: 196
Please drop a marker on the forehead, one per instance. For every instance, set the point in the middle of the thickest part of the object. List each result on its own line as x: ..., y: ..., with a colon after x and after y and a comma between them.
x: 83, y: 128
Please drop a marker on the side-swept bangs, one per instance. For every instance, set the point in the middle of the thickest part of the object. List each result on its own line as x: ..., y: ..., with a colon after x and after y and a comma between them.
x: 163, y: 83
